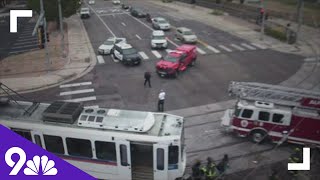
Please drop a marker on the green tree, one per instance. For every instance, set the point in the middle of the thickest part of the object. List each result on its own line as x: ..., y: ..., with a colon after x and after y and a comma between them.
x: 69, y: 7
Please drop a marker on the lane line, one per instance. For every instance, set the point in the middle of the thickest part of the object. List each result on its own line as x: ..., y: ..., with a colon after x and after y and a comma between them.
x: 100, y: 59
x: 156, y: 53
x: 25, y: 50
x: 225, y: 48
x: 248, y: 46
x: 123, y: 24
x: 90, y: 98
x: 18, y: 47
x: 259, y: 46
x: 76, y: 92
x: 90, y: 107
x: 201, y: 51
x: 143, y: 55
x: 237, y: 47
x: 138, y: 36
x: 75, y: 84
x: 112, y: 14
x: 213, y: 49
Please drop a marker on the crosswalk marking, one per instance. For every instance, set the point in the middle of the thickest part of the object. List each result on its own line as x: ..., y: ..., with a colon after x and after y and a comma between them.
x: 200, y: 51
x: 90, y: 98
x: 143, y: 55
x: 18, y: 47
x: 75, y: 84
x: 27, y: 39
x: 20, y: 51
x: 76, y: 92
x: 138, y: 36
x: 169, y: 50
x: 213, y: 49
x: 259, y: 46
x: 248, y: 46
x: 89, y: 107
x: 123, y: 24
x: 237, y: 47
x: 100, y: 59
x: 28, y: 42
x: 225, y: 48
x: 157, y: 54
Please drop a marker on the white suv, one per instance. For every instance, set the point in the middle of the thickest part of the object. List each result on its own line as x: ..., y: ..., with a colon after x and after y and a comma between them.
x: 185, y: 35
x: 158, y: 39
x: 107, y: 46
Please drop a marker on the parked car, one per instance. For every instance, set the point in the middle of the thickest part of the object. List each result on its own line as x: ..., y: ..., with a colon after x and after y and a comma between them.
x: 84, y: 12
x: 126, y: 54
x: 91, y: 2
x: 160, y: 23
x: 116, y: 2
x: 108, y: 45
x: 158, y: 39
x: 138, y: 13
x: 185, y: 35
x: 177, y: 61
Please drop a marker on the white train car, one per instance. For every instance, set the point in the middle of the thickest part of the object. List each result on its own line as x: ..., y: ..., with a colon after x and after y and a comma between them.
x: 105, y: 143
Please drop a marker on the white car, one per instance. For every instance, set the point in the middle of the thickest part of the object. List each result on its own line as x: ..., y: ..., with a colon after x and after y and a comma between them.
x: 91, y: 2
x: 116, y: 2
x: 107, y: 46
x: 160, y: 23
x: 84, y: 12
x: 185, y: 35
x: 158, y: 39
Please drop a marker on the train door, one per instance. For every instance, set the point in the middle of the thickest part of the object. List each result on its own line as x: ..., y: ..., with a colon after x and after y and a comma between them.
x: 124, y: 159
x: 37, y: 138
x: 160, y: 163
x: 142, y: 160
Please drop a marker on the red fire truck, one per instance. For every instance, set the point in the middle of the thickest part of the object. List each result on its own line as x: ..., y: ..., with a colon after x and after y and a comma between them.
x: 274, y: 112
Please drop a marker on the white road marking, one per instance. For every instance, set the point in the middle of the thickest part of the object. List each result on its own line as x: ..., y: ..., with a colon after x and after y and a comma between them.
x: 248, y: 46
x: 237, y: 47
x: 27, y: 39
x: 225, y: 48
x: 169, y: 50
x: 76, y: 92
x: 259, y: 46
x: 138, y: 36
x: 100, y: 59
x: 157, y: 54
x: 201, y: 51
x: 25, y: 50
x: 90, y: 98
x: 18, y: 47
x: 213, y: 49
x: 75, y: 84
x: 89, y: 107
x: 123, y: 24
x: 143, y: 55
x: 112, y: 14
x: 28, y: 42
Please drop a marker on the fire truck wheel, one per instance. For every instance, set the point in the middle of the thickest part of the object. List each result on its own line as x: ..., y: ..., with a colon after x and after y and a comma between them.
x: 258, y: 136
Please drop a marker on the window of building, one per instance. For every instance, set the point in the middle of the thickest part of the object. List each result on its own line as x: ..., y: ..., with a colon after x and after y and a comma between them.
x: 277, y: 118
x: 106, y: 151
x: 54, y: 144
x: 160, y: 159
x: 24, y: 133
x: 123, y: 155
x: 247, y: 113
x: 37, y: 139
x: 79, y: 147
x: 264, y: 116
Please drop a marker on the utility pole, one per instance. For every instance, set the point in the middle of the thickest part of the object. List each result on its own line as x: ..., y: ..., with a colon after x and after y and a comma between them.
x: 263, y: 19
x: 45, y: 35
x: 299, y: 17
x: 61, y: 28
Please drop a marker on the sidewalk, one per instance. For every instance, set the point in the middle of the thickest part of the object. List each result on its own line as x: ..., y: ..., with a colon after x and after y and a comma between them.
x: 28, y: 72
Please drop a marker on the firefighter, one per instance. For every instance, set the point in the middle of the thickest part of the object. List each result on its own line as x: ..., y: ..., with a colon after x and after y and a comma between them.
x: 211, y: 173
x: 295, y: 157
x: 196, y: 171
x: 223, y: 165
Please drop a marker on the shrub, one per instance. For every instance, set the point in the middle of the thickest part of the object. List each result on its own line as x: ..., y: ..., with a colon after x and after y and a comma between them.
x: 217, y: 12
x: 276, y: 34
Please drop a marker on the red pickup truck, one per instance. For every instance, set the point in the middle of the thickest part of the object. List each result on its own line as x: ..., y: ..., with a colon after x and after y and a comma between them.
x: 177, y: 60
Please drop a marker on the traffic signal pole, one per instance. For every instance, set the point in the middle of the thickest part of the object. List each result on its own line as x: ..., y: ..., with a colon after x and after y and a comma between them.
x: 45, y: 36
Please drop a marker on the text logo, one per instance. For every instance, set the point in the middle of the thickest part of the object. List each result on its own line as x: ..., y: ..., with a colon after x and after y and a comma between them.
x: 305, y: 165
x: 14, y: 14
x: 33, y: 166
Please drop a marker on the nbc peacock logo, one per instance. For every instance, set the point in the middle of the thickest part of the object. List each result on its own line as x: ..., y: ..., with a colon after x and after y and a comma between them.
x: 47, y: 166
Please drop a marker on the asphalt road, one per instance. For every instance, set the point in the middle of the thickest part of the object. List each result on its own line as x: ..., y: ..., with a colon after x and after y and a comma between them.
x: 113, y: 85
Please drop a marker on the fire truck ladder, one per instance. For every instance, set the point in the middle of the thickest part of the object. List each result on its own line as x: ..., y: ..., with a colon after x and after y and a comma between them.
x: 270, y: 93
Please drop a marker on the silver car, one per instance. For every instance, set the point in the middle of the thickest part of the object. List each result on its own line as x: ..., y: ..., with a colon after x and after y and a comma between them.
x: 160, y: 23
x: 107, y: 46
x: 185, y: 35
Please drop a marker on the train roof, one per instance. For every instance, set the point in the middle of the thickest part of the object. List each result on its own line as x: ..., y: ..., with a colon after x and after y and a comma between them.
x: 74, y: 115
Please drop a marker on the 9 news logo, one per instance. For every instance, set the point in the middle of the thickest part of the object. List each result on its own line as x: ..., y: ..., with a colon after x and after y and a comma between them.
x: 36, y: 166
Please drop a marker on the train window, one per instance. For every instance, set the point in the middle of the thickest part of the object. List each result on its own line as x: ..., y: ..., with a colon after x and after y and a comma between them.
x: 173, y: 155
x: 247, y: 113
x: 38, y: 140
x: 106, y: 151
x: 264, y: 116
x: 79, y: 147
x: 160, y: 159
x: 277, y: 118
x: 123, y: 155
x: 54, y: 144
x: 24, y: 133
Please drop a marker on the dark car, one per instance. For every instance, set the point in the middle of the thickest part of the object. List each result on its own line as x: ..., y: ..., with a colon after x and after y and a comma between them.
x: 124, y: 6
x: 138, y: 13
x: 126, y: 54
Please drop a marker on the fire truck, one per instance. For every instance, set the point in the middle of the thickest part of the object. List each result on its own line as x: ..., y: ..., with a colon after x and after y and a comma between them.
x: 274, y: 112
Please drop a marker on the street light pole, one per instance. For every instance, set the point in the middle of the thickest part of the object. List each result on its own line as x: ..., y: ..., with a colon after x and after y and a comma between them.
x: 45, y: 35
x: 263, y: 20
x: 61, y: 28
x: 300, y: 17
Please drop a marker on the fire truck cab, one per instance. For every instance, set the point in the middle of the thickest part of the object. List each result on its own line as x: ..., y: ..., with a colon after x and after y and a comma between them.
x: 274, y: 112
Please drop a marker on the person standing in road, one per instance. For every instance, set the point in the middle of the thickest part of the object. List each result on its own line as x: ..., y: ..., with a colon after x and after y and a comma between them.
x: 147, y: 77
x: 161, y: 96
